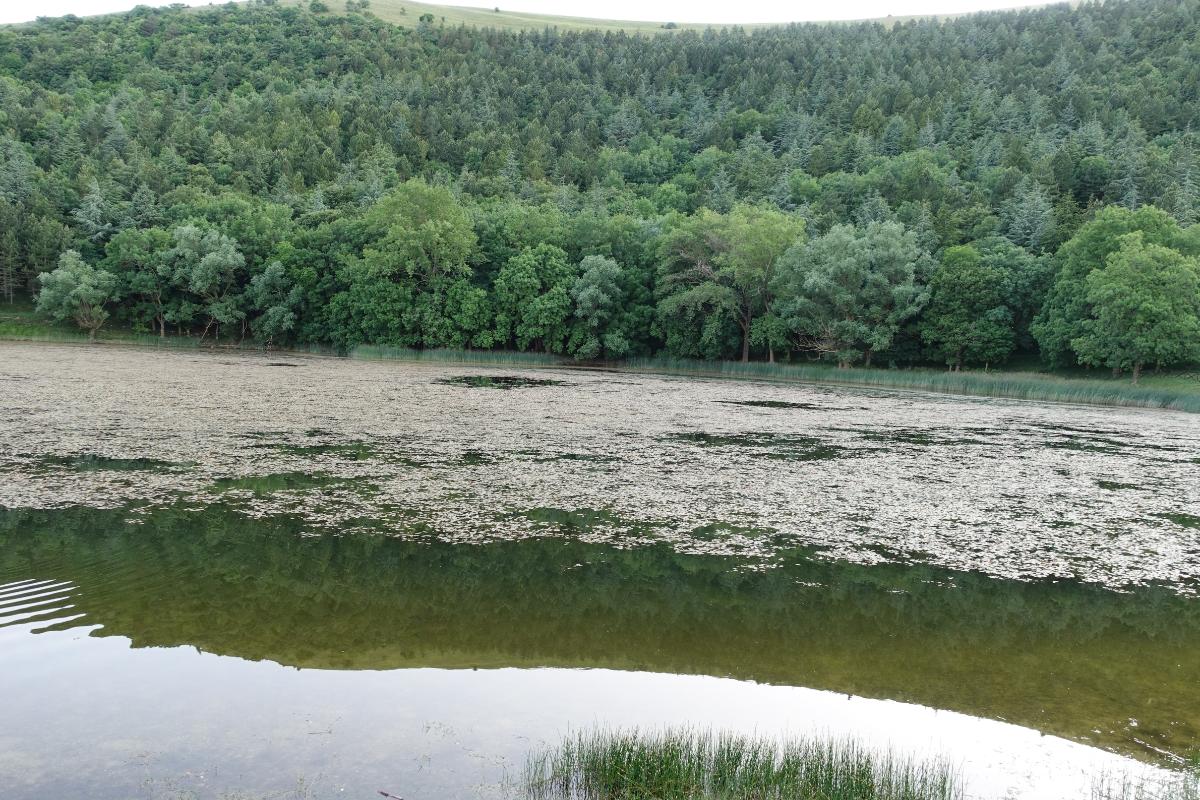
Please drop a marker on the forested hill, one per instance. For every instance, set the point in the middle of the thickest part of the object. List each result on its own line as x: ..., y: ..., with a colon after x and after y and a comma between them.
x: 951, y: 192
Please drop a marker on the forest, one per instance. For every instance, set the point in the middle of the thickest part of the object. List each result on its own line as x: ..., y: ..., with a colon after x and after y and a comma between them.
x: 996, y: 187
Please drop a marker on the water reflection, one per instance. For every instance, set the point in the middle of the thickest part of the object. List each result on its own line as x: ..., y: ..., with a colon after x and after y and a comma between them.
x: 1117, y: 670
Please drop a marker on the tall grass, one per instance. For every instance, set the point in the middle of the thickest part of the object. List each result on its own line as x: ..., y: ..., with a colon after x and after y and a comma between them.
x: 54, y: 336
x: 444, y: 355
x: 48, y: 335
x: 1181, y: 786
x: 695, y: 765
x: 1014, y: 385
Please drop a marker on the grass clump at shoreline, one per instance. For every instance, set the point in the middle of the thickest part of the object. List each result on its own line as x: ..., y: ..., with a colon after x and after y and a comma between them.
x: 698, y: 765
x: 1180, y: 786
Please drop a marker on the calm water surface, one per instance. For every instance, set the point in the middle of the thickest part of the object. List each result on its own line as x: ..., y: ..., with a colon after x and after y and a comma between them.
x: 216, y: 574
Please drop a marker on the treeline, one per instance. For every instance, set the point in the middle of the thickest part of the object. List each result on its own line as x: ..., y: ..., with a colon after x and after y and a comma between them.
x: 958, y: 192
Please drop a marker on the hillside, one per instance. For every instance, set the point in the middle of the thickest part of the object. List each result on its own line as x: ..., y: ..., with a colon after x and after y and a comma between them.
x: 408, y: 14
x: 991, y: 187
x: 402, y: 12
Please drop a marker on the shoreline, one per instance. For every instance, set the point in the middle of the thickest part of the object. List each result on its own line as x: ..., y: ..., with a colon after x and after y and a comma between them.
x: 1006, y: 385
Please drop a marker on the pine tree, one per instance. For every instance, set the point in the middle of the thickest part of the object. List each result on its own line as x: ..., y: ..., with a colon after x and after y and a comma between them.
x: 95, y: 215
x: 1028, y: 216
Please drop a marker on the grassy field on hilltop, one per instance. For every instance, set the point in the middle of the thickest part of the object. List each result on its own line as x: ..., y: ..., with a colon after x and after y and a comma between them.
x: 402, y: 12
x: 408, y: 14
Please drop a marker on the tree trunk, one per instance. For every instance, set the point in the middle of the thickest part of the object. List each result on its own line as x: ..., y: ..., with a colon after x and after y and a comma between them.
x: 1137, y: 372
x: 746, y: 323
x: 162, y: 327
x: 771, y: 354
x: 91, y: 334
x: 867, y: 357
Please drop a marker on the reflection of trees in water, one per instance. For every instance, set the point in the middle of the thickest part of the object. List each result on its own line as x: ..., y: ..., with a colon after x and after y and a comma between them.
x: 1061, y: 657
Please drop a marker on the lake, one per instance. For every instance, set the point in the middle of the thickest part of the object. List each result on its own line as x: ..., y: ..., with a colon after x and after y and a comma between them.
x: 267, y: 573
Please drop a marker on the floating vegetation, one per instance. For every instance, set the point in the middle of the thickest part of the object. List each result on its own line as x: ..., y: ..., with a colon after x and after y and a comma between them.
x: 700, y: 765
x: 869, y: 478
x: 498, y: 382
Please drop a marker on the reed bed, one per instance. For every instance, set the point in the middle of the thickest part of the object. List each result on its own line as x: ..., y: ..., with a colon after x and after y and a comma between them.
x: 451, y: 356
x: 46, y: 335
x: 699, y: 765
x: 1012, y: 385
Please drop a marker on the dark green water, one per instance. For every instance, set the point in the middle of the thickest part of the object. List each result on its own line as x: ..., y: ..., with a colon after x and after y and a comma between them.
x: 1116, y: 670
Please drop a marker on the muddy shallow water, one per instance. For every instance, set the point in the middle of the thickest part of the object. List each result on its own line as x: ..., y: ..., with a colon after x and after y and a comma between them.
x: 645, y: 549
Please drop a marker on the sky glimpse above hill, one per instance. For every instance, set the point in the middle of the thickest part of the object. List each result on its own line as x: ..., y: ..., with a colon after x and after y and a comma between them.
x: 654, y: 10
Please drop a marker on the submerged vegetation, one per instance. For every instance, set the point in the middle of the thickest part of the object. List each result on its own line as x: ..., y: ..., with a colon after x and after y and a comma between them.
x: 699, y: 765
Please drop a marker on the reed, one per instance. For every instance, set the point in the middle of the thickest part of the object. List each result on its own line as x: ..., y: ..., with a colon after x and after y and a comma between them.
x: 446, y: 355
x: 1179, y: 786
x: 1012, y: 385
x: 682, y: 764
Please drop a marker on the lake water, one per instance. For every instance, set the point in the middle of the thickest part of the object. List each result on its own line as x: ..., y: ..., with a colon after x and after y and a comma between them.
x: 326, y: 578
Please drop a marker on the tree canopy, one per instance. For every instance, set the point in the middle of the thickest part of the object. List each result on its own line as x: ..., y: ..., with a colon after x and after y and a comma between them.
x: 797, y: 191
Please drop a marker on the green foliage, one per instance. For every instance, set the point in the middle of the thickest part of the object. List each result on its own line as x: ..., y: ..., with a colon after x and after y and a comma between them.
x: 721, y: 267
x: 209, y: 265
x: 533, y: 299
x: 272, y: 293
x: 1145, y: 309
x: 597, y: 295
x: 1064, y: 315
x: 77, y: 291
x: 395, y: 174
x: 427, y: 236
x: 967, y: 321
x: 846, y: 293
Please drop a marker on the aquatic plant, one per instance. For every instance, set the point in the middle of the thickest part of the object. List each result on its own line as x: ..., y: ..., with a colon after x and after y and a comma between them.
x: 682, y: 764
